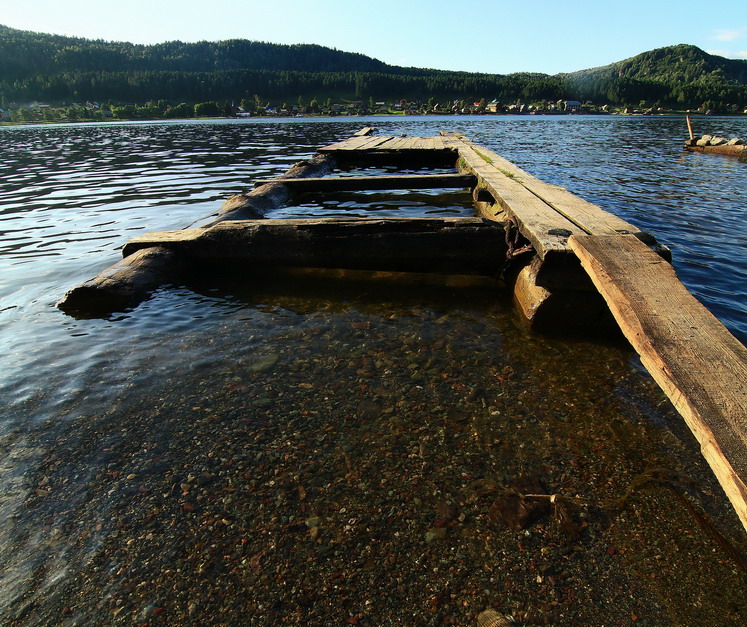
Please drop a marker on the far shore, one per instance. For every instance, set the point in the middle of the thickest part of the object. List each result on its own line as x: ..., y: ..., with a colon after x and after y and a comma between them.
x: 109, y: 120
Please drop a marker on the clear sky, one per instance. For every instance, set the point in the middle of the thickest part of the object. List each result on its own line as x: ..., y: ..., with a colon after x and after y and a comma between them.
x: 494, y: 36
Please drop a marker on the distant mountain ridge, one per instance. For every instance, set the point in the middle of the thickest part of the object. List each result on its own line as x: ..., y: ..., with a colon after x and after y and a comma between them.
x: 55, y: 68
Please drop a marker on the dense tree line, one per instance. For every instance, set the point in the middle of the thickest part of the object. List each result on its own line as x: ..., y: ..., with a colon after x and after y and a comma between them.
x: 57, y: 70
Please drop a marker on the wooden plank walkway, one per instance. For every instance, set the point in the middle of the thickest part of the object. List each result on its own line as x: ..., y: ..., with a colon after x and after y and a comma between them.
x: 384, y: 143
x: 696, y: 361
x: 547, y: 215
x: 700, y: 366
x: 353, y: 183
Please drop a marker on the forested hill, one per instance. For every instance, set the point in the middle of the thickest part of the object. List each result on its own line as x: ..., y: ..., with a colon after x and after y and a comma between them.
x: 24, y: 54
x: 673, y: 64
x: 61, y: 70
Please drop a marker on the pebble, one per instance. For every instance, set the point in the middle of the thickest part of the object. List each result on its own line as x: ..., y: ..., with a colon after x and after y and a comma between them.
x: 333, y: 486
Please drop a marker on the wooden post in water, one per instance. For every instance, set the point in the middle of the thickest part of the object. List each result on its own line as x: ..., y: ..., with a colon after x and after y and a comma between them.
x: 689, y: 126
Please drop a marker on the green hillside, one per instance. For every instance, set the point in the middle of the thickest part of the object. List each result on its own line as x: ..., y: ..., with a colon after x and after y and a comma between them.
x: 62, y: 70
x: 674, y: 64
x: 24, y: 54
x: 680, y: 76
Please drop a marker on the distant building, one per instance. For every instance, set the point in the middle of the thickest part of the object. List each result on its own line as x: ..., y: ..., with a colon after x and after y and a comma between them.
x: 572, y: 106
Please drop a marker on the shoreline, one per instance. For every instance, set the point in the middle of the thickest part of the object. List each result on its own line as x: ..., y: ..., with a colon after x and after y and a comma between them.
x: 369, y: 115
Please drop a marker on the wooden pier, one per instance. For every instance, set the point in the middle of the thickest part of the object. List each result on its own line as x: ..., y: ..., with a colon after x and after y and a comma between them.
x: 568, y: 262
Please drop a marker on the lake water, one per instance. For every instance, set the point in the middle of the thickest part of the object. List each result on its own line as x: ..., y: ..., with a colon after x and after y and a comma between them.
x: 318, y: 451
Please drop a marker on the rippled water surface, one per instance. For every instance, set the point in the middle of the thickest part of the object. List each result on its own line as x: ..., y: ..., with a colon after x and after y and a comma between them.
x: 310, y: 449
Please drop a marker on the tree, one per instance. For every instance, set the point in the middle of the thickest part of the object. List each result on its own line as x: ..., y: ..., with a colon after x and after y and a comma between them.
x: 207, y: 109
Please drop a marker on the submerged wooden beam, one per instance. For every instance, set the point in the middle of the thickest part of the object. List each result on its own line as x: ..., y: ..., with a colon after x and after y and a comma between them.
x: 274, y: 194
x: 696, y: 361
x: 356, y: 183
x: 739, y: 151
x: 125, y: 283
x: 436, y: 245
x: 129, y: 281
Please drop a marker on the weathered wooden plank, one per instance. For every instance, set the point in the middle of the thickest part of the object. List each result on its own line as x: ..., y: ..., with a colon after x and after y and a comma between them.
x: 352, y: 183
x: 351, y: 143
x: 436, y: 245
x: 545, y: 228
x: 393, y: 143
x: 700, y: 366
x: 589, y: 217
x: 734, y: 151
x: 410, y: 143
x: 366, y: 130
x: 377, y: 142
x: 405, y: 143
x: 373, y: 140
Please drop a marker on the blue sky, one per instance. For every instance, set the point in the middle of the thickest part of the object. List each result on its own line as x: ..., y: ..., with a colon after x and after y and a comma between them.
x: 481, y: 36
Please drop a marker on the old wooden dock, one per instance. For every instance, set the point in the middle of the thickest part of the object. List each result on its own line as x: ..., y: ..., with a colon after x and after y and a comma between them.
x: 568, y: 262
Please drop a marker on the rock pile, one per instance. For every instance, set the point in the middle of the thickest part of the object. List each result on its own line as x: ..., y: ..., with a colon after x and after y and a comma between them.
x: 714, y: 140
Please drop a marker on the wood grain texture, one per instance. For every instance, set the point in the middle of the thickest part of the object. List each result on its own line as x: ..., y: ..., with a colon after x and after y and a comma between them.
x: 696, y: 361
x: 351, y: 143
x: 545, y: 228
x: 436, y: 245
x: 388, y: 143
x: 125, y: 283
x: 587, y: 216
x: 734, y: 151
x: 352, y: 183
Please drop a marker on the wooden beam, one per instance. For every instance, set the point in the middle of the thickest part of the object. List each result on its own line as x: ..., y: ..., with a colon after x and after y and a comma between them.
x: 589, y: 217
x: 734, y: 151
x: 354, y: 183
x: 129, y: 281
x: 436, y: 245
x: 545, y: 228
x: 701, y: 367
x: 388, y: 144
x: 366, y: 130
x: 125, y: 283
x: 259, y: 201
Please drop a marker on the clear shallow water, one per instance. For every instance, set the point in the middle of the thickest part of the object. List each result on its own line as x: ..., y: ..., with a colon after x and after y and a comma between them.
x: 192, y: 379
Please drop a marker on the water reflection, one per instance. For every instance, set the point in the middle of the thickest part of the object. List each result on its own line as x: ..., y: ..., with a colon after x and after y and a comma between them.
x: 129, y: 441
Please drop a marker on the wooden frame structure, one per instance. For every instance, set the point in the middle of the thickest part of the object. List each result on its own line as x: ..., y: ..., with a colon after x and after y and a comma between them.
x: 570, y: 262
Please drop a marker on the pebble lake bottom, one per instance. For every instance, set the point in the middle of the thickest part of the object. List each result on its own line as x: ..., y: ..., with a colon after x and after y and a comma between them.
x: 314, y: 451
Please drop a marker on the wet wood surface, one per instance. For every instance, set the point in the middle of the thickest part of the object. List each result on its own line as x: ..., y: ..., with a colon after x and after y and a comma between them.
x: 358, y: 183
x: 696, y: 361
x: 437, y: 245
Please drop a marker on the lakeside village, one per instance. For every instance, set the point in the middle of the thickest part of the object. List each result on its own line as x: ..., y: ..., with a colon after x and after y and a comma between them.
x: 37, y: 112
